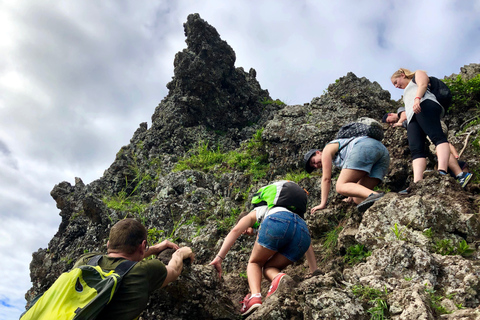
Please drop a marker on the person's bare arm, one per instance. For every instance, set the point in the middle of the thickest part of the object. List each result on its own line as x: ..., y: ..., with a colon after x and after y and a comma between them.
x: 327, y: 157
x: 230, y: 239
x: 403, y: 117
x: 422, y: 80
x: 175, y: 266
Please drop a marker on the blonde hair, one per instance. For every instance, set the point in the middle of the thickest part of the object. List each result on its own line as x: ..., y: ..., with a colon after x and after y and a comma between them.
x: 408, y: 74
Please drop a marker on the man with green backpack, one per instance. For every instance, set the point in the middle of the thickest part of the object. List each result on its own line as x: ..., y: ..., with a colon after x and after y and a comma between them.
x: 113, y: 286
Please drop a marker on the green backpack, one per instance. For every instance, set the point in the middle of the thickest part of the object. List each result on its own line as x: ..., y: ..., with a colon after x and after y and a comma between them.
x: 80, y: 293
x: 283, y: 193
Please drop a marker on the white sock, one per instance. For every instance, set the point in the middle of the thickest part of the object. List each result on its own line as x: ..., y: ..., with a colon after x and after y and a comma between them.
x: 256, y: 295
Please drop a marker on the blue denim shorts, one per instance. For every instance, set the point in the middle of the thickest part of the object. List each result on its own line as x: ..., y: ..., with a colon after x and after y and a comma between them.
x: 369, y: 155
x: 286, y: 233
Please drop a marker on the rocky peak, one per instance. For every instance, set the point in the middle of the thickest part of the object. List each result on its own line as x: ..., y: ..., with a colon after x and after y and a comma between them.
x: 206, y: 88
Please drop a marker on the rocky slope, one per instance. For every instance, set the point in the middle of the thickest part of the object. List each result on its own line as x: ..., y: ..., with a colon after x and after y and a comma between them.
x: 397, y: 259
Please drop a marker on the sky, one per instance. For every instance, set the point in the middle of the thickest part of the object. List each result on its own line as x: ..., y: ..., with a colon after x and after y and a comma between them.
x: 78, y: 77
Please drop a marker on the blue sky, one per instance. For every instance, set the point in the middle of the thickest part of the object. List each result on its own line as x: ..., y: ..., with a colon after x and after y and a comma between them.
x: 78, y: 77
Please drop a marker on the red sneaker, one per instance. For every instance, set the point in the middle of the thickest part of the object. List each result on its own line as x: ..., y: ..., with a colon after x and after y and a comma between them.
x: 250, y: 304
x: 275, y: 283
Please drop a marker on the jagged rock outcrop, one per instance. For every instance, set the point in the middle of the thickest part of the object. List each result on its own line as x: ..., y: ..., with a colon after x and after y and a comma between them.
x: 405, y: 270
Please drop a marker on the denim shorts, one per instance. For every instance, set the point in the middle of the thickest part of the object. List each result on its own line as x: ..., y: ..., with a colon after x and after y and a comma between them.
x: 286, y: 233
x: 369, y: 155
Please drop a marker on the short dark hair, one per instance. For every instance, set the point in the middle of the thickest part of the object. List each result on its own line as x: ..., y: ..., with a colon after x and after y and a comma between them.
x: 126, y: 235
x: 385, y: 116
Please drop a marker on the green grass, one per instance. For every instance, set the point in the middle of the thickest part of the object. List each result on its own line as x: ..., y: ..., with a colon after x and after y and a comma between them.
x: 382, y: 188
x: 128, y: 200
x: 375, y: 298
x: 329, y: 242
x: 250, y: 158
x: 224, y: 225
x: 154, y: 236
x: 296, y: 176
x: 435, y: 301
x: 331, y: 238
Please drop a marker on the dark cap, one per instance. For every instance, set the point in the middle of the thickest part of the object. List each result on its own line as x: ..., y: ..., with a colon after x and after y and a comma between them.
x: 385, y: 116
x: 306, y: 160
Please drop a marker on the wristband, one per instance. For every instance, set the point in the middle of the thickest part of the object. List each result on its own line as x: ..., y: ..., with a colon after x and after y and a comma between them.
x: 418, y: 98
x: 220, y: 257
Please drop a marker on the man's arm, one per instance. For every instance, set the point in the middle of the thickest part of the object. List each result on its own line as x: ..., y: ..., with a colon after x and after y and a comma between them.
x: 175, y: 266
x: 402, y: 117
x: 159, y: 247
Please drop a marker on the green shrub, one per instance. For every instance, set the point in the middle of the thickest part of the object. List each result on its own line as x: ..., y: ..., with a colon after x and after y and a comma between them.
x: 277, y: 102
x: 465, y: 93
x: 464, y: 249
x: 428, y: 233
x: 356, y: 254
x: 445, y: 247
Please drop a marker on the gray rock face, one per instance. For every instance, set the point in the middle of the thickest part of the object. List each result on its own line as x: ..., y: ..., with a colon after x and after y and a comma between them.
x: 207, y: 89
x: 417, y: 265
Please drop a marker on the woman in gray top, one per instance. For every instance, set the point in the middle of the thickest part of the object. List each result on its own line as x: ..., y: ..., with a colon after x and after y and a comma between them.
x: 423, y: 113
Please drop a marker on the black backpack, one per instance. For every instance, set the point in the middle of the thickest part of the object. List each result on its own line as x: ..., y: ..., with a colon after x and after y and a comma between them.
x: 364, y: 126
x: 282, y: 193
x: 441, y: 92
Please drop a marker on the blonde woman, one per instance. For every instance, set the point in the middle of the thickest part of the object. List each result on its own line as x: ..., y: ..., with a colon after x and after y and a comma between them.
x: 423, y: 113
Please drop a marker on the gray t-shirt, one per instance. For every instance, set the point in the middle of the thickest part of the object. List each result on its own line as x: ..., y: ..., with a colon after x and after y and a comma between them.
x: 344, y: 146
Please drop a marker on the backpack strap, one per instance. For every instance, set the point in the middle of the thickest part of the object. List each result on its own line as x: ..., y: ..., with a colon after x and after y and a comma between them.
x: 122, y: 269
x: 346, y: 144
x: 94, y: 260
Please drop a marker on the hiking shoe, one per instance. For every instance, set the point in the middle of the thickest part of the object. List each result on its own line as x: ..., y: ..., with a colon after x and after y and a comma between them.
x: 275, y: 284
x: 367, y: 203
x: 250, y: 304
x: 404, y: 192
x: 464, y: 178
